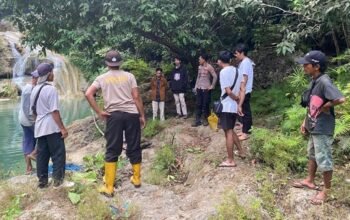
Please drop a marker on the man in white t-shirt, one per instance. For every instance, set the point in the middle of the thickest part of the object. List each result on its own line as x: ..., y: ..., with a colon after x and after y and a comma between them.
x: 231, y: 83
x: 49, y: 128
x: 246, y: 69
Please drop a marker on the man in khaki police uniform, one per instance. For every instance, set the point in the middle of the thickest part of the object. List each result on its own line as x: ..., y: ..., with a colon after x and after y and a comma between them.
x: 123, y: 112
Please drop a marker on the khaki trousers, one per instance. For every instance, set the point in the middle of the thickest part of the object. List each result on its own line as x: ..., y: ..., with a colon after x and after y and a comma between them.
x: 155, y: 107
x: 180, y: 103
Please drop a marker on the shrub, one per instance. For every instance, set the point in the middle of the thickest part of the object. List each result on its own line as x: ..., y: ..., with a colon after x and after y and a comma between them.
x: 162, y: 164
x: 91, y: 207
x: 90, y: 68
x: 298, y: 80
x: 272, y: 101
x: 152, y: 128
x: 230, y: 208
x: 279, y: 151
x: 293, y: 118
x: 8, y: 90
x: 139, y: 68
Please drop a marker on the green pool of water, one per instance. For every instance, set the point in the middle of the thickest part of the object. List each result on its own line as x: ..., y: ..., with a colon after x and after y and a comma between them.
x: 11, y: 156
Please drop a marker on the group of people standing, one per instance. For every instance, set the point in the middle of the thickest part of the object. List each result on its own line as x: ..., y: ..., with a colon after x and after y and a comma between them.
x: 236, y: 85
x: 123, y: 112
x: 204, y: 85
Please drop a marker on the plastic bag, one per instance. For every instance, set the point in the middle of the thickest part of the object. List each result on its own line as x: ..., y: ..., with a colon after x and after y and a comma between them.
x: 213, y: 121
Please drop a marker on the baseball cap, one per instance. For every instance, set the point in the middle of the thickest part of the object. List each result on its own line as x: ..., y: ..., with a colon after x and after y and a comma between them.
x: 44, y: 68
x: 313, y: 57
x: 113, y: 58
x: 35, y: 74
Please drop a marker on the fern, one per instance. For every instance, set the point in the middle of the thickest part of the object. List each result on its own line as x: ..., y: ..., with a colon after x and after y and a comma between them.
x: 279, y: 151
x: 293, y: 119
x: 342, y: 126
x: 298, y: 81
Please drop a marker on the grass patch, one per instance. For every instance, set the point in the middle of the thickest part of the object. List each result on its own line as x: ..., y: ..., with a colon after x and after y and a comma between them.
x: 230, y: 208
x: 162, y: 165
x: 91, y: 207
x: 270, y: 188
x: 14, y: 201
x: 152, y: 128
x: 341, y: 188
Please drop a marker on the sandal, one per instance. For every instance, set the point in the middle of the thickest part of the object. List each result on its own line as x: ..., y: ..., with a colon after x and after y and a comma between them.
x: 243, y: 137
x: 301, y: 185
x: 227, y: 164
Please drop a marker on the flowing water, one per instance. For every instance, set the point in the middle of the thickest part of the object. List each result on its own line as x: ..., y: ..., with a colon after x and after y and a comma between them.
x: 69, y: 82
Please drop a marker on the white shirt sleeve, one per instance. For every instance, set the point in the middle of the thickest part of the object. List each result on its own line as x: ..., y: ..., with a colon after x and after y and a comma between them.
x: 53, y: 100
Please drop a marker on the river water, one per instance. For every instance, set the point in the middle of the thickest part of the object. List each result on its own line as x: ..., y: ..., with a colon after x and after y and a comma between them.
x: 68, y: 81
x: 11, y: 156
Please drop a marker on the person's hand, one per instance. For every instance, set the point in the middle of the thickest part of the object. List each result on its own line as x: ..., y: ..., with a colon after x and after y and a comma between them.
x: 103, y: 115
x: 325, y: 109
x: 303, y: 129
x: 211, y: 88
x: 142, y: 122
x: 240, y: 111
x: 64, y: 133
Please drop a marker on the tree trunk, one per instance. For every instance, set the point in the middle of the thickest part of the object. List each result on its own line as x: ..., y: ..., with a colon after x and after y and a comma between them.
x: 336, y: 44
x: 346, y: 28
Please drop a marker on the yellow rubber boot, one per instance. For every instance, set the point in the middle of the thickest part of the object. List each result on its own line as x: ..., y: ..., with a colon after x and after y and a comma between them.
x: 109, y: 178
x: 136, y: 177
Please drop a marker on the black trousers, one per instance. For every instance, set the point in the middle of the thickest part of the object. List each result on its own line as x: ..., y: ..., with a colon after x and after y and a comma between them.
x: 203, y: 102
x: 51, y: 146
x: 116, y: 124
x: 247, y: 119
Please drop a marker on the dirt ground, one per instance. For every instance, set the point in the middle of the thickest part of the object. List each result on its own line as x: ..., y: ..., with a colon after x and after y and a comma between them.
x: 198, y: 193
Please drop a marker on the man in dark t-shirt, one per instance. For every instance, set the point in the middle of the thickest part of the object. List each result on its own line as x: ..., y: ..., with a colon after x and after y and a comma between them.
x: 319, y: 123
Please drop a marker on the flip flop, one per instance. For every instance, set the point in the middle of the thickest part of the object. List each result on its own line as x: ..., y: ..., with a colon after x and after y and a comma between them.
x: 243, y: 138
x: 226, y: 164
x: 301, y: 185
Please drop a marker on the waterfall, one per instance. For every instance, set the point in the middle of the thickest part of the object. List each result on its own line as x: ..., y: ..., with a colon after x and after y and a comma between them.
x: 67, y: 78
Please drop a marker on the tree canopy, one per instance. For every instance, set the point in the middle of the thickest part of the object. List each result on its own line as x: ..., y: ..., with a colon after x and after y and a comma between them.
x: 156, y: 29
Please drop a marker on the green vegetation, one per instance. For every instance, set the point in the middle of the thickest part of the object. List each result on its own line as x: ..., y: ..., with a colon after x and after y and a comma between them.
x: 231, y: 208
x: 281, y: 149
x: 8, y: 90
x: 162, y: 165
x: 139, y: 68
x: 281, y: 152
x: 14, y: 201
x: 270, y: 188
x: 91, y: 207
x: 156, y: 30
x: 152, y: 128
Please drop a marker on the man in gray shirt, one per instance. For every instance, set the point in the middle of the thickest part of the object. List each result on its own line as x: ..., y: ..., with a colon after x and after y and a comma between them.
x: 203, y: 89
x: 319, y: 123
x: 49, y: 128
